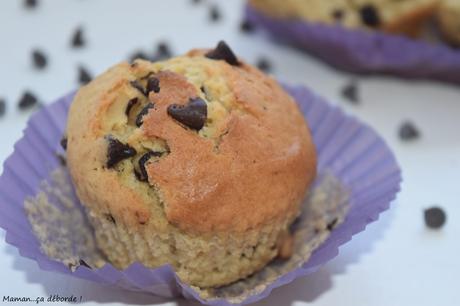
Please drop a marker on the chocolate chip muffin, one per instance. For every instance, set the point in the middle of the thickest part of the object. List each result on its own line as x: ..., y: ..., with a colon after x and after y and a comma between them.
x: 402, y: 16
x: 200, y: 162
x: 448, y: 17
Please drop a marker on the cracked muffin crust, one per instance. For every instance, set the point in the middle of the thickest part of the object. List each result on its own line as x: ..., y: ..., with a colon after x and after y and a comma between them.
x: 200, y: 161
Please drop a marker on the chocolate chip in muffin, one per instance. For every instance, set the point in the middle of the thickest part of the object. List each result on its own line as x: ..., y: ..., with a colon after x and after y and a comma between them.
x: 153, y: 84
x: 192, y: 115
x: 2, y: 107
x: 61, y: 159
x: 332, y: 224
x: 435, y: 217
x: 130, y: 105
x: 223, y: 52
x: 39, y: 59
x: 84, y: 77
x: 27, y: 101
x: 408, y: 131
x: 30, y: 4
x: 351, y: 92
x: 139, y: 87
x: 214, y: 13
x: 338, y: 14
x: 83, y: 263
x: 63, y: 143
x: 78, y: 39
x: 110, y: 218
x: 246, y: 26
x: 117, y: 151
x: 264, y: 64
x: 370, y: 15
x: 142, y: 113
x: 141, y: 173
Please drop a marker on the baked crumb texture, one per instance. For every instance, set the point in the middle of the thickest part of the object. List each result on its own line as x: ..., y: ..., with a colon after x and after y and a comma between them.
x: 65, y: 235
x: 200, y: 161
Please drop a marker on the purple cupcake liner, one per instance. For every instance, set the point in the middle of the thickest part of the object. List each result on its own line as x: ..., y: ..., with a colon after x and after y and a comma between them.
x: 364, y: 52
x: 348, y: 149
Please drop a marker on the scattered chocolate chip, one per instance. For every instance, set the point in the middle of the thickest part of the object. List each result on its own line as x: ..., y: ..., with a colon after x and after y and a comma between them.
x: 338, y: 14
x: 84, y: 77
x: 264, y: 64
x: 163, y: 51
x: 246, y: 26
x: 27, y: 101
x: 142, y: 175
x: 192, y: 115
x: 142, y: 113
x: 138, y: 55
x: 117, y: 151
x: 61, y: 158
x: 2, y: 107
x: 83, y: 263
x: 223, y: 52
x: 30, y: 4
x: 214, y: 13
x: 435, y: 217
x: 350, y: 92
x: 408, y: 131
x: 153, y: 84
x: 130, y: 105
x: 78, y: 39
x: 139, y: 87
x: 63, y: 143
x: 332, y: 224
x: 110, y: 218
x: 39, y: 59
x: 370, y: 15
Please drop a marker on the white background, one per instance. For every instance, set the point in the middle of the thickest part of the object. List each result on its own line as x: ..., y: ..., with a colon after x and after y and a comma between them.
x: 396, y: 261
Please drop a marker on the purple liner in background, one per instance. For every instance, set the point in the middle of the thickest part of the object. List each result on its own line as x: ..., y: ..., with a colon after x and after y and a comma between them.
x: 365, y: 52
x: 350, y: 150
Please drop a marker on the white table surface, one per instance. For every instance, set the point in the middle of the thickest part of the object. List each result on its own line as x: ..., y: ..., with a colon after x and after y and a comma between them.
x: 396, y: 261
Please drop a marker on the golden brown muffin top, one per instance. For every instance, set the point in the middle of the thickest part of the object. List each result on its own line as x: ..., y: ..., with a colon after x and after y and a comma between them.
x: 216, y: 143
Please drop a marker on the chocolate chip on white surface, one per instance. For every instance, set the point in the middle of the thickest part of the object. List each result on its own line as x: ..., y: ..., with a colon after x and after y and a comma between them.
x: 214, y: 13
x: 2, y: 107
x: 39, y: 59
x: 351, y: 92
x: 30, y: 4
x: 264, y: 64
x: 408, y: 131
x: 435, y: 217
x: 27, y: 101
x: 84, y: 77
x: 78, y: 39
x: 246, y: 26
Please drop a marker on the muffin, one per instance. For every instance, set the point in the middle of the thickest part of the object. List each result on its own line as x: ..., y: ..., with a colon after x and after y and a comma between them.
x: 402, y: 17
x: 448, y: 19
x: 200, y: 162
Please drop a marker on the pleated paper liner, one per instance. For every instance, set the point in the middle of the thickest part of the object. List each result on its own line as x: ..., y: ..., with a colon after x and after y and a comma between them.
x: 366, y: 52
x: 358, y: 178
